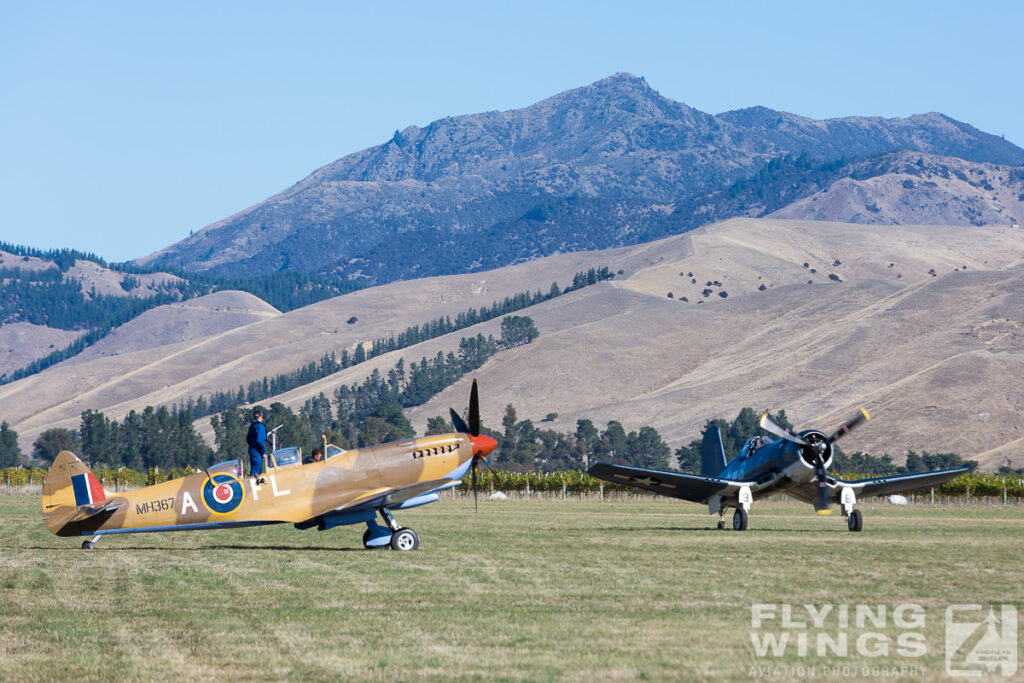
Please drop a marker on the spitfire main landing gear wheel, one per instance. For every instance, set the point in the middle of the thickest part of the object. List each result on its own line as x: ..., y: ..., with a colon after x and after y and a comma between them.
x: 405, y: 539
x: 87, y: 545
x: 739, y: 519
x: 855, y: 521
x: 721, y: 524
x: 401, y: 537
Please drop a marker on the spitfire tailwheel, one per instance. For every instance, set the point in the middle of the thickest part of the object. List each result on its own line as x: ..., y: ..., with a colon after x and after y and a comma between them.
x: 405, y: 539
x: 739, y: 519
x: 855, y: 521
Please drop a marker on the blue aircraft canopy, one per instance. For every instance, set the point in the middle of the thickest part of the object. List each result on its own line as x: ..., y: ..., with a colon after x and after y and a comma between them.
x: 752, y: 444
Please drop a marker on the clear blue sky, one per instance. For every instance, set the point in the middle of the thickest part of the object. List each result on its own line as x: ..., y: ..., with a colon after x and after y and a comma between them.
x: 123, y: 125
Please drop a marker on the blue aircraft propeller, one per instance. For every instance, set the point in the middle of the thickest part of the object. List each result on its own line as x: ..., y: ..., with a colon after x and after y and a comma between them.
x: 819, y: 447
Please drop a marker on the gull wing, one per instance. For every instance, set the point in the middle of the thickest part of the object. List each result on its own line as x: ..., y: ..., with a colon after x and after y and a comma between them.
x: 696, y: 488
x: 900, y: 483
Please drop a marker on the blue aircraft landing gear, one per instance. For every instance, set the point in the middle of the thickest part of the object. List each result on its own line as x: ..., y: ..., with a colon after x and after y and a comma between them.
x: 739, y: 520
x: 855, y: 521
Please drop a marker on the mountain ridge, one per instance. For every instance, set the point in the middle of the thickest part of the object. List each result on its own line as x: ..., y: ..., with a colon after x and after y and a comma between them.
x: 614, y: 158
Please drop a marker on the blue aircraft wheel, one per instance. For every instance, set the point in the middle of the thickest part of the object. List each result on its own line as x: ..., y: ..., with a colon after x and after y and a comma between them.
x: 855, y: 521
x: 739, y: 519
x: 405, y: 539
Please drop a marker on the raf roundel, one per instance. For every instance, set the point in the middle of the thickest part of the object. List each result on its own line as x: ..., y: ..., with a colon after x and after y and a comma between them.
x: 224, y: 494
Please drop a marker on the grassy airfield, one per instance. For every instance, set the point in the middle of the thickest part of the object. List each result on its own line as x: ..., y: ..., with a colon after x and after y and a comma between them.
x: 522, y: 590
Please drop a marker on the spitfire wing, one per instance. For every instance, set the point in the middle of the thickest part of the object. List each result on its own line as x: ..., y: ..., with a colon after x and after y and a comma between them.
x: 696, y: 488
x: 393, y: 497
x: 884, y: 486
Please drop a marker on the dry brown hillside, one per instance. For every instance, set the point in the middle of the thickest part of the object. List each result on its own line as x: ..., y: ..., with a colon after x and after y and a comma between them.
x: 936, y: 359
x: 922, y: 325
x: 132, y: 374
x: 187, y: 321
x: 21, y: 343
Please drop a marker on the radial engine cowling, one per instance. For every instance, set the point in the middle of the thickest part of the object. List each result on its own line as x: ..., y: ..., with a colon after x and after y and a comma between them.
x: 818, y: 445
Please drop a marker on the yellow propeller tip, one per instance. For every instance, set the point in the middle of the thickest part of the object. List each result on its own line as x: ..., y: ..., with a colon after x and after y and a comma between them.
x: 866, y: 416
x: 824, y: 512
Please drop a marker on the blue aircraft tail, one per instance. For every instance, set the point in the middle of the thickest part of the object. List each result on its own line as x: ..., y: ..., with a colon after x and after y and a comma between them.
x: 712, y: 453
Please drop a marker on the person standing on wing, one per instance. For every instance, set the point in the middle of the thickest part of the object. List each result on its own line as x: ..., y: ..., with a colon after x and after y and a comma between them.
x: 257, y: 440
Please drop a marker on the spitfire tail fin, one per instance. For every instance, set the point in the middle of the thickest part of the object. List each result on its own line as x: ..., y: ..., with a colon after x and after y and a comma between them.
x: 69, y: 483
x: 712, y: 453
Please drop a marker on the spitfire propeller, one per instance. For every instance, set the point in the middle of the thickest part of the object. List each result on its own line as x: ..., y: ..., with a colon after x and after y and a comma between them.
x: 816, y: 446
x: 482, y: 444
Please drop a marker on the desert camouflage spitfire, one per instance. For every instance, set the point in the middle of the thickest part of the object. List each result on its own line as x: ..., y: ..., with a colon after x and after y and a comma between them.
x: 347, y: 487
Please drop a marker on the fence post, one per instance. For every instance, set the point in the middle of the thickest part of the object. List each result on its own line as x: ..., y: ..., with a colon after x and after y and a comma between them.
x: 1004, y: 495
x: 600, y: 490
x: 967, y: 496
x: 527, y: 487
x: 933, y: 495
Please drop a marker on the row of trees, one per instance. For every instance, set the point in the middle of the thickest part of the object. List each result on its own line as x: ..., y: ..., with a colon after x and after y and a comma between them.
x: 523, y: 447
x: 156, y: 437
x: 515, y: 330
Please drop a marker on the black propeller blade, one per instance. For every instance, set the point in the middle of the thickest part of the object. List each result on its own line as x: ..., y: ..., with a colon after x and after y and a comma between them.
x: 460, y: 425
x: 476, y: 508
x: 474, y: 411
x: 823, y: 503
x: 845, y: 429
x: 772, y: 428
x: 485, y: 444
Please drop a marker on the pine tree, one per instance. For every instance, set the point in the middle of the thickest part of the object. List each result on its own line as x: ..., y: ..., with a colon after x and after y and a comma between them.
x: 10, y: 453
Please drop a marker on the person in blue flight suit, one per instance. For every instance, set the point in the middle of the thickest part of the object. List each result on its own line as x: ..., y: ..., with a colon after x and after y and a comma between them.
x: 257, y: 440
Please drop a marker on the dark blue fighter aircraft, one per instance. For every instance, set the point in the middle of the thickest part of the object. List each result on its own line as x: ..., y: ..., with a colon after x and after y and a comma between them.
x: 795, y: 464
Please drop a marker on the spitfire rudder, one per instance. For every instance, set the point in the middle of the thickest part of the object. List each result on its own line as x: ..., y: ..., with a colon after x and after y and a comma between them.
x: 69, y: 483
